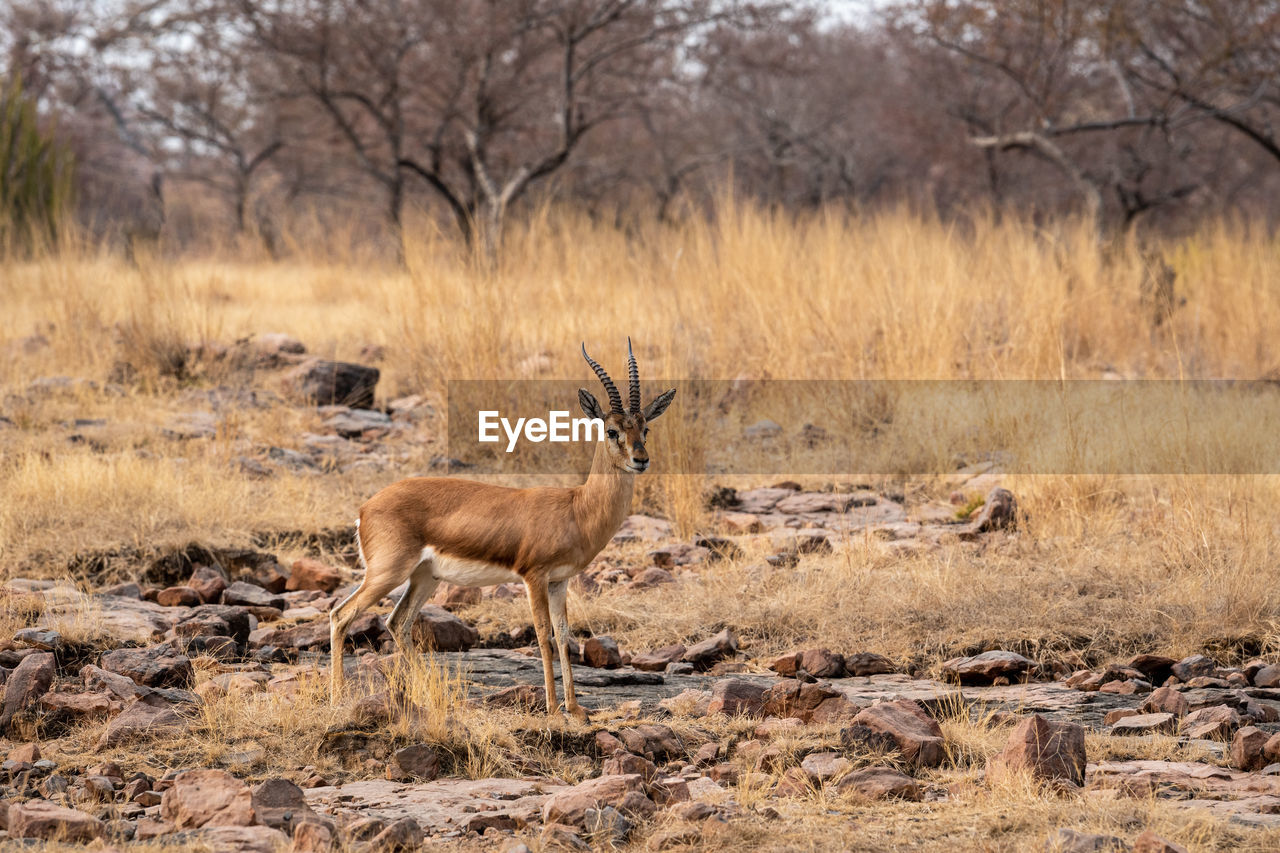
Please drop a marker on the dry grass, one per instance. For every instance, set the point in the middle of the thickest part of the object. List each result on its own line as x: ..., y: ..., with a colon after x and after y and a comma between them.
x: 1102, y: 567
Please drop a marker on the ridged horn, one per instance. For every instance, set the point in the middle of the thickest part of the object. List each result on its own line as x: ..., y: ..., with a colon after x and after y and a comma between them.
x: 615, y: 399
x: 634, y: 373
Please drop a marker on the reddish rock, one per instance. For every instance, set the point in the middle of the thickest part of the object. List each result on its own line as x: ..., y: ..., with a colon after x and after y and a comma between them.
x: 1155, y: 668
x: 312, y: 838
x: 27, y: 753
x: 868, y: 663
x: 785, y: 665
x: 1247, y: 748
x: 29, y: 681
x: 416, y: 762
x: 657, y: 742
x: 624, y: 793
x: 734, y: 696
x: 208, y: 583
x: 86, y: 706
x: 880, y: 783
x: 47, y: 821
x: 1149, y: 842
x: 741, y: 522
x: 280, y: 804
x: 1047, y: 750
x: 145, y: 717
x: 792, y: 698
x: 825, y: 766
x: 607, y: 744
x: 657, y: 660
x: 451, y: 596
x: 1267, y: 676
x: 602, y: 653
x: 1218, y: 722
x: 625, y: 763
x: 1085, y: 680
x: 438, y: 629
x: 1146, y: 724
x: 1166, y: 700
x: 837, y: 709
x: 1195, y: 666
x: 523, y: 696
x: 652, y: 577
x: 402, y: 836
x: 987, y: 667
x: 251, y: 595
x: 1116, y: 714
x: 307, y: 573
x: 703, y: 655
x: 917, y: 735
x: 178, y: 596
x: 820, y: 663
x: 157, y: 666
x: 207, y: 797
x: 367, y: 627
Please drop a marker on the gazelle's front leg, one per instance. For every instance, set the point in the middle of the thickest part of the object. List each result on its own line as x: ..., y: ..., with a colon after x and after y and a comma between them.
x: 537, y: 586
x: 558, y: 594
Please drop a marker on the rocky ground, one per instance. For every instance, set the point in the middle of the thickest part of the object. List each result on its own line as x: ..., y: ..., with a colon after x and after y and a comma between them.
x: 187, y: 705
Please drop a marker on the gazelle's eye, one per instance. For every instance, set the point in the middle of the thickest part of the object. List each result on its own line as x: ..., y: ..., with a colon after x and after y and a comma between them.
x: 646, y: 432
x: 613, y: 433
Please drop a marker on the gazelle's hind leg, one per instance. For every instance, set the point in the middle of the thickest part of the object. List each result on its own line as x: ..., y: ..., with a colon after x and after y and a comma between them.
x: 384, y: 572
x: 422, y: 585
x: 557, y: 597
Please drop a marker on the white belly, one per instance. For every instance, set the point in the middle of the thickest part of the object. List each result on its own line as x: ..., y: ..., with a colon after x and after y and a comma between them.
x: 469, y: 572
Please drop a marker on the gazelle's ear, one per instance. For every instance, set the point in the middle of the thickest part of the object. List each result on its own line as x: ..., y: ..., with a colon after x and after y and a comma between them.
x: 659, y: 404
x: 590, y: 407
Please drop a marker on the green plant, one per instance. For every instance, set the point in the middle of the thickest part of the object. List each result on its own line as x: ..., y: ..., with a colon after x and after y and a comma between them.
x: 36, y: 169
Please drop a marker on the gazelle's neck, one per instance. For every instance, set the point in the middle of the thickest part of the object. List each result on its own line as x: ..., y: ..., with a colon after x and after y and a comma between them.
x: 603, y: 501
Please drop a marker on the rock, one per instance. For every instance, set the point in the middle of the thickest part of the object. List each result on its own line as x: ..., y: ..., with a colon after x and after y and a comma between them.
x: 626, y: 763
x: 1194, y: 666
x: 438, y: 629
x: 157, y: 666
x: 987, y: 667
x: 825, y: 766
x: 1247, y: 748
x: 147, y: 716
x: 1149, y: 842
x: 706, y: 653
x: 208, y: 582
x: 1047, y: 750
x: 657, y: 660
x: 1000, y: 512
x: 652, y: 577
x: 78, y: 705
x: 741, y: 522
x: 1145, y: 724
x: 330, y: 383
x: 416, y: 762
x: 207, y: 797
x: 252, y: 595
x: 917, y: 735
x: 523, y: 696
x: 820, y: 663
x: 645, y: 528
x: 312, y: 837
x: 1156, y: 668
x: 880, y: 783
x: 602, y: 653
x: 239, y: 839
x: 678, y: 554
x: 45, y: 820
x: 792, y: 698
x: 38, y: 638
x: 1070, y: 841
x: 359, y: 423
x: 624, y: 793
x: 29, y: 681
x: 1217, y: 722
x: 1166, y: 700
x: 367, y: 627
x: 280, y: 804
x: 1267, y: 676
x: 734, y: 696
x: 1271, y: 749
x: 307, y: 573
x: 653, y: 741
x: 178, y: 596
x: 868, y: 663
x: 557, y: 836
x: 27, y: 753
x: 451, y: 596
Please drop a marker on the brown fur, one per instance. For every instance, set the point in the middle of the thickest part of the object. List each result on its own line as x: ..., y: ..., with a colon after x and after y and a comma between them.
x: 531, y: 532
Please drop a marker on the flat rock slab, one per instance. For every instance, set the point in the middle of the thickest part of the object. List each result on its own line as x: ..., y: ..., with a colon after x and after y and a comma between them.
x: 441, y: 807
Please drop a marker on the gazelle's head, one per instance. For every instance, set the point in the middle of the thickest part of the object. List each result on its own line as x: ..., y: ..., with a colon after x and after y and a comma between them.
x: 625, y: 430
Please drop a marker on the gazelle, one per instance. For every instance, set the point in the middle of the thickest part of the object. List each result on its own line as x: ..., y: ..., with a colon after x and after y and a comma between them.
x: 428, y: 529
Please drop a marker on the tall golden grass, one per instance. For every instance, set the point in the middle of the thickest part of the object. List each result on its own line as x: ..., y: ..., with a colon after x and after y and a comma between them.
x: 749, y: 293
